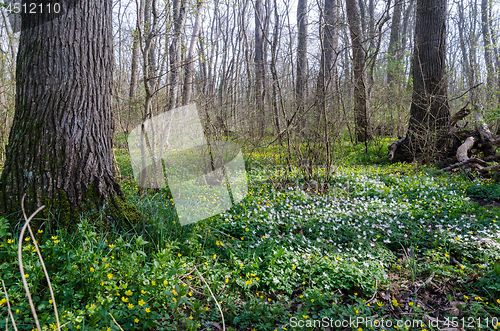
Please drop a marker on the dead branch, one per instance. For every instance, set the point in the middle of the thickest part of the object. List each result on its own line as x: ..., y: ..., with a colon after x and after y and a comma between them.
x: 464, y: 148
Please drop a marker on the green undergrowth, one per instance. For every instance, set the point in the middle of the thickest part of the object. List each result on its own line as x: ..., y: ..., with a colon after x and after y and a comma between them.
x: 394, y: 241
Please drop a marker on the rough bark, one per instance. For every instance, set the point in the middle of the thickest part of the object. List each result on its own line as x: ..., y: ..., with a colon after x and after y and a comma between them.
x: 60, y: 145
x: 427, y: 136
x: 359, y: 64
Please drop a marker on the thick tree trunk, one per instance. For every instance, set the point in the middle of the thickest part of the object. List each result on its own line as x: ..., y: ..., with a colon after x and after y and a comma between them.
x: 429, y: 112
x: 359, y: 64
x: 429, y: 109
x: 60, y: 145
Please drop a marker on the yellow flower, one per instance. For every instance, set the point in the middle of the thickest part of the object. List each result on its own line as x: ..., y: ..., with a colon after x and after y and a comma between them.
x: 26, y: 276
x: 128, y: 292
x: 40, y: 231
x: 143, y: 292
x: 148, y: 310
x: 179, y: 254
x: 174, y: 292
x: 207, y: 309
x: 153, y: 283
x: 141, y: 302
x: 312, y: 300
x: 124, y: 299
x: 215, y: 256
x: 136, y: 320
x: 130, y: 305
x: 92, y: 269
x: 50, y: 301
x: 111, y: 246
x: 164, y: 282
x: 190, y: 294
x: 53, y: 237
x: 294, y: 267
x: 110, y: 276
x: 498, y: 301
x: 10, y: 241
x: 410, y: 304
x: 190, y: 317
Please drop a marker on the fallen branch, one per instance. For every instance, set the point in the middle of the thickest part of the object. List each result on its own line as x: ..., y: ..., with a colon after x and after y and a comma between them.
x: 393, y: 147
x: 460, y: 164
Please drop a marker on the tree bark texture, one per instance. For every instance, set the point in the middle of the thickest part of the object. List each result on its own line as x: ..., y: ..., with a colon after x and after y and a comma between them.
x: 60, y: 145
x: 429, y: 110
x: 427, y: 138
x: 359, y: 64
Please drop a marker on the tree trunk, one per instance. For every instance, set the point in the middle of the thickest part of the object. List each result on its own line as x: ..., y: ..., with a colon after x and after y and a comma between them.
x: 359, y: 63
x: 429, y: 112
x: 328, y: 68
x: 392, y: 63
x: 463, y: 43
x: 488, y: 59
x: 135, y: 55
x: 60, y: 145
x: 179, y: 13
x: 301, y: 86
x: 188, y: 79
x: 259, y: 70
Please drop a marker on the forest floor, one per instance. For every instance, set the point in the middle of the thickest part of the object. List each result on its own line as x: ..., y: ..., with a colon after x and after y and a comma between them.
x: 386, y: 247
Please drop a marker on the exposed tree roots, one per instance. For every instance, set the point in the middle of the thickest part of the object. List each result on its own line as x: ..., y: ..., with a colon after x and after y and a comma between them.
x: 471, y: 150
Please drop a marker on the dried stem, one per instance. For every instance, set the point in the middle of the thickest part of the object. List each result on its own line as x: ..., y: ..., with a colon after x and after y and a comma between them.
x: 21, y: 268
x: 213, y: 296
x: 8, y: 308
x: 43, y: 266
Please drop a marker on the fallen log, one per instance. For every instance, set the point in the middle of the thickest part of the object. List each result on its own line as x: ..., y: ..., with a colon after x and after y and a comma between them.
x: 461, y: 164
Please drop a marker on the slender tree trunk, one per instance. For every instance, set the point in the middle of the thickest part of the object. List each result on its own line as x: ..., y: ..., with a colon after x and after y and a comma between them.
x: 259, y: 70
x: 487, y: 48
x: 60, y: 145
x: 135, y: 54
x: 463, y: 43
x: 188, y: 80
x: 359, y: 64
x: 179, y: 15
x: 328, y: 68
x: 301, y: 85
x: 392, y: 64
